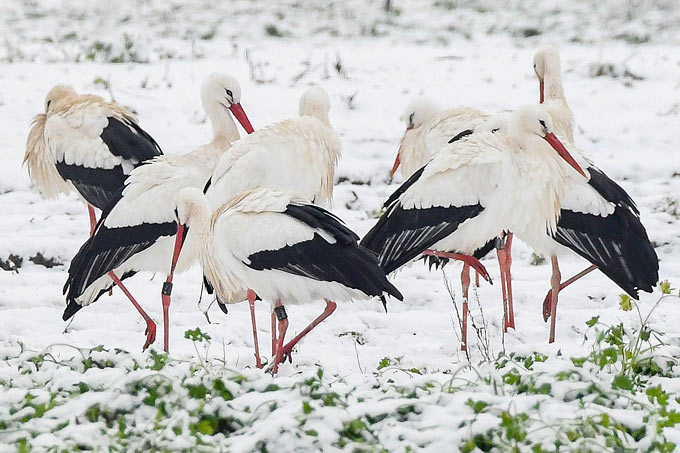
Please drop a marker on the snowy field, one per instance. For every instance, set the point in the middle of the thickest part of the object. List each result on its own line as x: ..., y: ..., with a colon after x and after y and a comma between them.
x: 363, y: 380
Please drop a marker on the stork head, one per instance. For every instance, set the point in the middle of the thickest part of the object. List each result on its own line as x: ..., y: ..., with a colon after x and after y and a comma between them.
x: 418, y: 111
x: 315, y: 102
x: 533, y: 120
x: 546, y: 60
x: 57, y: 93
x: 223, y: 90
x: 190, y: 205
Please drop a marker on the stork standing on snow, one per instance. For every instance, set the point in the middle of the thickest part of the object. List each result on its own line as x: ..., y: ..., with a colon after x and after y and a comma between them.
x: 298, y: 155
x: 136, y: 232
x: 84, y: 143
x: 449, y: 204
x: 287, y: 251
x: 428, y: 130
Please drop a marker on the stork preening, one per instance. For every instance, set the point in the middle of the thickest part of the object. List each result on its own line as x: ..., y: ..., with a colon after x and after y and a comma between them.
x: 551, y: 93
x: 136, y: 232
x: 84, y: 143
x: 449, y: 204
x: 285, y: 250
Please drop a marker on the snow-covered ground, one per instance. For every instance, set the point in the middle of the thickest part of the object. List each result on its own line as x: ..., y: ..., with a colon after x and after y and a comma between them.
x: 621, y: 63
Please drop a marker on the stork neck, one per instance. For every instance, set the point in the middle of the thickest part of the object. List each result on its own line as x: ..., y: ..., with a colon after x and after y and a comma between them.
x: 223, y: 125
x: 319, y: 113
x: 552, y: 85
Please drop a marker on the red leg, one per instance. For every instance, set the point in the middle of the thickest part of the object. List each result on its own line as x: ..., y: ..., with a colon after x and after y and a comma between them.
x: 476, y: 278
x: 93, y: 219
x: 548, y: 297
x: 555, y: 283
x: 508, y: 279
x: 150, y: 325
x: 330, y: 308
x: 166, y: 292
x: 251, y: 302
x: 282, y: 327
x: 470, y: 260
x: 502, y: 263
x: 465, y: 281
x: 273, y: 334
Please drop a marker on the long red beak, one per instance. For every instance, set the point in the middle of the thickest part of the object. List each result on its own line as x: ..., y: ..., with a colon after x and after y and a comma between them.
x: 397, y: 162
x: 241, y: 116
x: 564, y: 154
x: 540, y: 88
x: 179, y: 242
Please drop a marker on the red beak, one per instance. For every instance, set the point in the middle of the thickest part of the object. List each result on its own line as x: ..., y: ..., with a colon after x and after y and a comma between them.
x: 540, y: 88
x: 397, y: 162
x: 179, y: 242
x: 241, y: 116
x: 564, y: 154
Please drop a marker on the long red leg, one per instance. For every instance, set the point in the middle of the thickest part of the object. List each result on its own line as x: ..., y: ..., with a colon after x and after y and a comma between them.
x: 330, y: 308
x: 251, y: 302
x: 502, y: 263
x: 274, y: 336
x: 93, y: 219
x: 465, y: 281
x: 282, y: 327
x: 470, y: 260
x: 555, y: 283
x: 476, y: 278
x: 548, y: 297
x: 150, y: 325
x: 508, y: 279
x: 166, y: 292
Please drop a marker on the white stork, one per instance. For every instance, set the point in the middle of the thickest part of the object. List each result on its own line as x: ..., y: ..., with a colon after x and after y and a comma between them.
x: 428, y: 130
x: 84, y: 143
x: 472, y: 191
x: 601, y: 223
x: 299, y: 155
x: 282, y: 248
x: 136, y: 232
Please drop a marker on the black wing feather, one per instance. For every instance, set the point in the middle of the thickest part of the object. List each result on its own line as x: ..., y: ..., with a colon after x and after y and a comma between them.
x: 98, y: 186
x: 401, y: 235
x: 344, y: 261
x: 129, y: 141
x: 108, y: 249
x: 616, y: 243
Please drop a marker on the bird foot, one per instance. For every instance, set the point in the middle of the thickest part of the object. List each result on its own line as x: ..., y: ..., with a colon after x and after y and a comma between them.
x: 546, y: 306
x: 150, y: 334
x: 470, y: 260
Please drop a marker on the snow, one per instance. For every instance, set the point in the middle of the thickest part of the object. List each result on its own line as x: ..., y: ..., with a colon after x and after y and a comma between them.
x: 458, y: 52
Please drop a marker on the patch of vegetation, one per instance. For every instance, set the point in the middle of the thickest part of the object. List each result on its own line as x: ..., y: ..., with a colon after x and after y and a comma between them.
x: 12, y: 263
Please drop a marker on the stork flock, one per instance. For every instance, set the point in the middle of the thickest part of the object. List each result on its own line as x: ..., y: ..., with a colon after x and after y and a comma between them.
x: 254, y: 210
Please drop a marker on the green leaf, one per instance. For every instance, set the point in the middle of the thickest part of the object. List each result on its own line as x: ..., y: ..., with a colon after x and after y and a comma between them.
x: 196, y: 335
x: 625, y: 302
x: 644, y: 334
x: 205, y: 427
x: 477, y: 406
x: 622, y: 382
x: 592, y: 321
x: 306, y: 407
x: 665, y: 287
x: 385, y: 362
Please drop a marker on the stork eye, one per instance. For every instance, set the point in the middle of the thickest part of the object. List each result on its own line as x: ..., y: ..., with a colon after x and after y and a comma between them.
x: 48, y: 103
x: 229, y: 93
x: 410, y: 119
x: 542, y: 123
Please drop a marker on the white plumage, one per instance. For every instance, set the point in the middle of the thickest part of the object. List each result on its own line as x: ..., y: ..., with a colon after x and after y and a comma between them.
x: 84, y: 143
x: 549, y: 72
x: 298, y: 155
